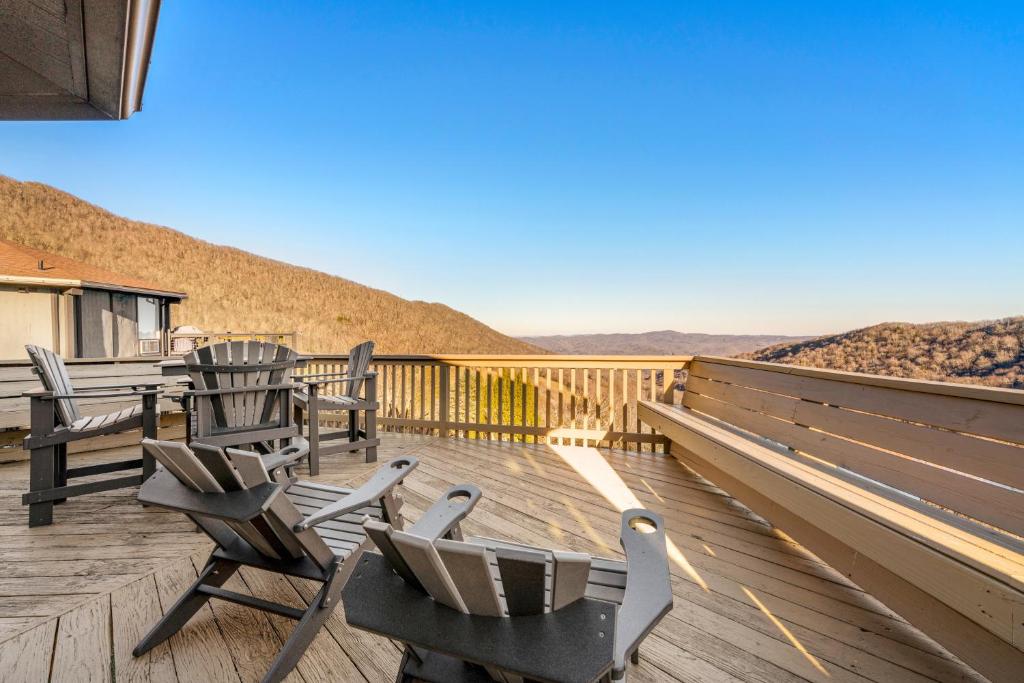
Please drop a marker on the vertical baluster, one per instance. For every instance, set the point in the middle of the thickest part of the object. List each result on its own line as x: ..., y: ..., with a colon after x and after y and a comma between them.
x: 431, y: 410
x: 561, y: 403
x: 394, y: 392
x: 612, y: 408
x: 535, y: 393
x: 654, y: 397
x: 478, y: 402
x: 584, y: 405
x: 501, y: 402
x: 443, y: 404
x: 522, y: 401
x: 411, y: 400
x: 466, y: 406
x: 624, y: 418
x: 547, y: 403
x: 512, y: 403
x: 636, y: 415
x: 402, y: 402
x: 490, y: 412
x: 458, y: 385
x: 572, y: 402
x: 419, y: 398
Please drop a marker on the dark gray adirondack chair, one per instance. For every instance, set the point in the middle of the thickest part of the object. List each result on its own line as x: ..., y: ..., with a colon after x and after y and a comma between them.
x: 242, y: 397
x: 56, y: 421
x: 301, y: 529
x: 480, y: 609
x: 351, y: 398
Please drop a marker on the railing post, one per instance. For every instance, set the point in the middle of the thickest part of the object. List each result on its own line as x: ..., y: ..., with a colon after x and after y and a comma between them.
x: 443, y: 390
x: 669, y: 382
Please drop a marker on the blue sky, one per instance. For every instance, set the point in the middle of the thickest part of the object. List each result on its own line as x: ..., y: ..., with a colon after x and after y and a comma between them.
x: 582, y: 167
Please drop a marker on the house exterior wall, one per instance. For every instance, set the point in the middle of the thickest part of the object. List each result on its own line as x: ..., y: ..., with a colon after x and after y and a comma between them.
x: 79, y: 323
x: 26, y: 317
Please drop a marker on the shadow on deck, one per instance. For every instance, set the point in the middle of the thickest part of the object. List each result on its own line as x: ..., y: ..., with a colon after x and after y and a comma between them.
x: 750, y: 604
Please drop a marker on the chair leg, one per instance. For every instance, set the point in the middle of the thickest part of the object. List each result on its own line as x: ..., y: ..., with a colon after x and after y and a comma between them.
x: 215, y: 574
x: 303, y: 634
x: 371, y: 434
x: 314, y: 434
x: 61, y: 469
x: 42, y: 477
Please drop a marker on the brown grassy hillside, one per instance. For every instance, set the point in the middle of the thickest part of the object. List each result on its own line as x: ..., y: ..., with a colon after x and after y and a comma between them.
x: 989, y: 352
x: 230, y: 289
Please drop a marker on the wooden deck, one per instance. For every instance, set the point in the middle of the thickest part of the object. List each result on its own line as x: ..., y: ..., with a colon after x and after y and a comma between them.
x: 750, y: 604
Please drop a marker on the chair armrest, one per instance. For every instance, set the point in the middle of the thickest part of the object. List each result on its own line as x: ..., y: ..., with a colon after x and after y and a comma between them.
x: 315, y: 379
x: 387, y: 476
x: 136, y: 385
x: 447, y: 512
x: 648, y: 595
x: 89, y: 393
x: 164, y: 490
x: 285, y: 457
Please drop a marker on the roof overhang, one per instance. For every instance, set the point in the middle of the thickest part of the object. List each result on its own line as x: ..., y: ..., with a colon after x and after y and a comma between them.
x: 74, y: 59
x: 65, y: 283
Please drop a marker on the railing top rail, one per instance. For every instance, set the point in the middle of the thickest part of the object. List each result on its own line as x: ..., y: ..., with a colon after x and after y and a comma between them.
x: 517, y: 360
x: 972, y: 391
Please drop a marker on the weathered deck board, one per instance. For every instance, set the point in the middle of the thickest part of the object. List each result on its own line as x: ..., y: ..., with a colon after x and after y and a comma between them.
x: 751, y: 605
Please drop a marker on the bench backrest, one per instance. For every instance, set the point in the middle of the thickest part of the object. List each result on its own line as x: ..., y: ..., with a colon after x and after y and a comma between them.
x: 235, y: 364
x: 54, y: 376
x: 959, y: 447
x: 358, y: 363
x: 211, y: 470
x: 474, y: 579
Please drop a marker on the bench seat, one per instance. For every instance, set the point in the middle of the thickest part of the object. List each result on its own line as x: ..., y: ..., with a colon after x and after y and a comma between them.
x: 960, y: 580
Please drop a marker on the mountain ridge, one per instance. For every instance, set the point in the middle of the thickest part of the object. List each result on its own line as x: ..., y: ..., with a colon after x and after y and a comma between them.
x: 657, y: 343
x: 330, y: 313
x: 987, y: 352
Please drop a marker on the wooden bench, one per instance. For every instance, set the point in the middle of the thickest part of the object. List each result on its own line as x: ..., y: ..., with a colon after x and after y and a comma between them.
x: 911, y: 489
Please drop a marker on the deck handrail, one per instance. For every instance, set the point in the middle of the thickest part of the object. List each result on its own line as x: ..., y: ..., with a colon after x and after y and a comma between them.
x: 536, y: 398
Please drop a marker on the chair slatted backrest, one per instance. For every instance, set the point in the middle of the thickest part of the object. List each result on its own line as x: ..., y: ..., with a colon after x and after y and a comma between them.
x: 241, y: 364
x: 958, y: 447
x: 210, y: 470
x: 474, y: 579
x: 54, y: 376
x: 358, y: 363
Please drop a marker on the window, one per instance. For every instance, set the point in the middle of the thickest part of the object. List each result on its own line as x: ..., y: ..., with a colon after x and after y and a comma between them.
x: 149, y: 326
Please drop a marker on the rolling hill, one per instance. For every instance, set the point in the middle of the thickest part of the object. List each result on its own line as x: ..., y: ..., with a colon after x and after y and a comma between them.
x: 660, y: 343
x: 989, y: 352
x: 230, y: 289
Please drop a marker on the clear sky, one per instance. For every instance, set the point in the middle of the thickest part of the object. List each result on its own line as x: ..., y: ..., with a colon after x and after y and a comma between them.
x: 588, y: 167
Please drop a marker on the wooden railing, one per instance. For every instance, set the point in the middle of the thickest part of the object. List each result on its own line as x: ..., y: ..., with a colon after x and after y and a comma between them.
x: 561, y: 400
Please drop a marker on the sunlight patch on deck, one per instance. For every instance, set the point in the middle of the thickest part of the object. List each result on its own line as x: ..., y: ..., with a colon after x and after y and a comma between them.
x: 793, y: 640
x: 592, y: 466
x: 537, y: 467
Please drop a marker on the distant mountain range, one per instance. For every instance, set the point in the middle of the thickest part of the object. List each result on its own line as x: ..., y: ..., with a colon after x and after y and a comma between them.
x: 660, y: 343
x: 988, y: 352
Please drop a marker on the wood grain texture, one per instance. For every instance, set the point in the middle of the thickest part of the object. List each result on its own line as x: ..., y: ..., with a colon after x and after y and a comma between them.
x: 558, y: 497
x: 903, y: 540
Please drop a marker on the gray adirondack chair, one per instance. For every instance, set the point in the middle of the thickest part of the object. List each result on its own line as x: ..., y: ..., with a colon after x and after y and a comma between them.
x: 481, y: 609
x: 357, y: 393
x: 56, y: 421
x: 242, y: 397
x: 301, y: 529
